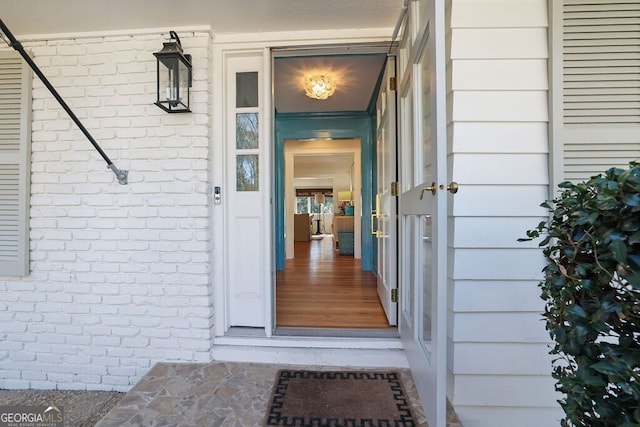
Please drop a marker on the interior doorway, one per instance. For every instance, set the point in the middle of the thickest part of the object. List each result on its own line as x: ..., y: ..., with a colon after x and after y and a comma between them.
x: 315, y: 272
x: 323, y: 284
x: 322, y: 167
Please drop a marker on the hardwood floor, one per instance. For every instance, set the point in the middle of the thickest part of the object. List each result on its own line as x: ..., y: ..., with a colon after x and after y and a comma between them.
x: 320, y: 288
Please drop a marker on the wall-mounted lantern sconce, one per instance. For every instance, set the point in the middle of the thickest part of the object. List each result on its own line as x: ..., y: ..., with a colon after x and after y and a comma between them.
x: 173, y: 76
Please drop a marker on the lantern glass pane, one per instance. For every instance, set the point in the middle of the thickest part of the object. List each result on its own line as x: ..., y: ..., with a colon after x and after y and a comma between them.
x: 183, y: 79
x: 167, y: 75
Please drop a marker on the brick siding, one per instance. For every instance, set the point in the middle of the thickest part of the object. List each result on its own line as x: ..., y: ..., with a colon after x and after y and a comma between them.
x: 120, y: 275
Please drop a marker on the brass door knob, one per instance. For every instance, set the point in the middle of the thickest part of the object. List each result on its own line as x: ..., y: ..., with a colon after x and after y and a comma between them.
x: 452, y: 188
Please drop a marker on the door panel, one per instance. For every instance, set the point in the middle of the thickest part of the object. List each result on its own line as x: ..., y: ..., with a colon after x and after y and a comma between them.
x: 423, y: 215
x: 385, y: 221
x: 248, y: 273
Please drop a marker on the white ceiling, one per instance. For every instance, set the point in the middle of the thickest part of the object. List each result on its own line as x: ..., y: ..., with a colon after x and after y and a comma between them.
x: 356, y: 79
x: 358, y: 74
x: 319, y: 165
x: 224, y: 16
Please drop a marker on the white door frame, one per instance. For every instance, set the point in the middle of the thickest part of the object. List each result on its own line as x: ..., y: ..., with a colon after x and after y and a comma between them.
x: 257, y: 46
x: 223, y: 214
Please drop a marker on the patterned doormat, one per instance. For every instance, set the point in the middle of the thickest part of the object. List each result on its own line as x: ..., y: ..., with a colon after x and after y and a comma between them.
x: 339, y: 398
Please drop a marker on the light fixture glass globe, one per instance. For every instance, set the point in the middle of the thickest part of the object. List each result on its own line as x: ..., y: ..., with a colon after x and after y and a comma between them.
x: 319, y: 86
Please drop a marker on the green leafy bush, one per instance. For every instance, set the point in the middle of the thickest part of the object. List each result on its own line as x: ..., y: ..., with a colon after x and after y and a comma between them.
x: 592, y: 291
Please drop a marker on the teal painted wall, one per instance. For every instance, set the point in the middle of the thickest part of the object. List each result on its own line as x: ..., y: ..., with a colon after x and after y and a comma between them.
x: 349, y: 125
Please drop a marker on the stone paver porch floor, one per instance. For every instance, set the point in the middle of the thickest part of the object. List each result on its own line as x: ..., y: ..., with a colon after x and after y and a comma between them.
x: 212, y: 394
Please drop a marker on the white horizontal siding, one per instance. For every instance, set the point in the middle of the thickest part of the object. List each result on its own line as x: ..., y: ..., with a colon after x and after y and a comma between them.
x: 470, y: 296
x: 510, y: 416
x: 506, y: 361
x: 499, y: 43
x: 500, y: 200
x: 505, y: 390
x: 504, y: 137
x: 498, y: 264
x: 499, y: 137
x: 499, y: 13
x: 503, y: 74
x: 497, y: 106
x: 497, y: 327
x: 481, y: 232
x: 499, y: 169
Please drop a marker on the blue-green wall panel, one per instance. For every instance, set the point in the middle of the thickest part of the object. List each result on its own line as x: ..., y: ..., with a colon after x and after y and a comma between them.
x: 349, y: 125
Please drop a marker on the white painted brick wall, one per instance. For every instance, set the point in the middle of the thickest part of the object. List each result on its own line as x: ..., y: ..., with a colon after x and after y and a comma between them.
x: 119, y: 274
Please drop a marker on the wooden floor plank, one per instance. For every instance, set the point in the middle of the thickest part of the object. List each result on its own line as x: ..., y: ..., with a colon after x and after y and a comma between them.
x: 320, y: 288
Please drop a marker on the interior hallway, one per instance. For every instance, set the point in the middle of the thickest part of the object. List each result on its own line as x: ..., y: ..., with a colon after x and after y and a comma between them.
x: 320, y: 288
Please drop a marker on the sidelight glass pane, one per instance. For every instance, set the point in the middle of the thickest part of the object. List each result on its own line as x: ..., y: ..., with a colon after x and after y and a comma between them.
x: 247, y: 178
x: 247, y: 89
x: 247, y: 136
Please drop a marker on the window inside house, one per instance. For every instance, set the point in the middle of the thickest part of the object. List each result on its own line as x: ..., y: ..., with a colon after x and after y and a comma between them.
x: 308, y: 202
x: 309, y: 205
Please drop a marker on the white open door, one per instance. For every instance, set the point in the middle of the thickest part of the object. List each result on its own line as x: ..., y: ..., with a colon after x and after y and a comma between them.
x: 384, y: 222
x: 423, y: 212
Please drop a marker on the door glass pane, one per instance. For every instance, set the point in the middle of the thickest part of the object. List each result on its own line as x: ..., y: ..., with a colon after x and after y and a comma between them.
x: 407, y: 142
x: 247, y: 131
x: 410, y: 267
x: 247, y: 172
x: 426, y: 171
x: 247, y: 89
x: 421, y: 12
x: 427, y: 282
x: 405, y: 50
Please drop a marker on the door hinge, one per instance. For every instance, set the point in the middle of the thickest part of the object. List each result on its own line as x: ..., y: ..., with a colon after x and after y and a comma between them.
x: 392, y: 83
x: 395, y: 187
x: 394, y: 295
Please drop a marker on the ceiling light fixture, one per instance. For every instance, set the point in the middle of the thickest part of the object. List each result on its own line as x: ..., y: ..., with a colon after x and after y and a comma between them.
x: 319, y: 86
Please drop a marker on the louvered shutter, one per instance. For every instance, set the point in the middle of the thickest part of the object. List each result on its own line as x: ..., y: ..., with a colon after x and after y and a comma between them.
x: 15, y: 102
x: 600, y: 85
